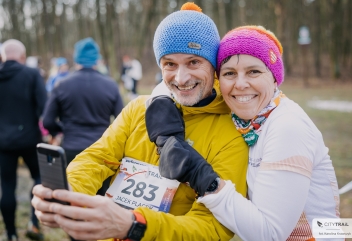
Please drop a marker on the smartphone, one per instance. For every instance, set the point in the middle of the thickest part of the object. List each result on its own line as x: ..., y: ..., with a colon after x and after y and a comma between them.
x: 52, y: 167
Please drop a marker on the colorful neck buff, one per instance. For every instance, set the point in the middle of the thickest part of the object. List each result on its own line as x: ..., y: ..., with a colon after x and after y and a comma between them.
x: 249, y: 129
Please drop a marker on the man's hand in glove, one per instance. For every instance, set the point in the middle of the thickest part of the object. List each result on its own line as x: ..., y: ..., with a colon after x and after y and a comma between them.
x: 178, y: 160
x: 163, y: 119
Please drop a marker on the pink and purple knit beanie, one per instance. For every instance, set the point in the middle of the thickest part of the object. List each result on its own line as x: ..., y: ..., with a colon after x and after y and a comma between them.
x: 257, y: 42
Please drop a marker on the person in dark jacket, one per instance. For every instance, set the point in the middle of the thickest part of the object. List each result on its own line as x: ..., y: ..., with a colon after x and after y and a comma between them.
x: 81, y: 105
x: 22, y: 100
x: 0, y: 54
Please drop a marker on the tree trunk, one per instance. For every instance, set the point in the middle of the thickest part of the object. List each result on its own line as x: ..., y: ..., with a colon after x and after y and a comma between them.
x: 347, y: 50
x: 222, y: 27
x: 101, y: 28
x: 337, y: 23
x: 80, y: 20
x: 47, y: 36
x: 110, y: 17
x: 317, y: 38
x: 14, y: 19
x: 148, y: 18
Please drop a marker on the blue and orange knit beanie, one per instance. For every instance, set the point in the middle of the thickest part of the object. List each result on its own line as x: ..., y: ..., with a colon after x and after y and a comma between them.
x: 86, y: 52
x: 187, y: 31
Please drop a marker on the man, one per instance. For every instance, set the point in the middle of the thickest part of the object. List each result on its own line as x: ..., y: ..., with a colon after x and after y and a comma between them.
x: 35, y: 62
x: 22, y: 100
x: 82, y: 104
x: 131, y: 74
x: 185, y: 46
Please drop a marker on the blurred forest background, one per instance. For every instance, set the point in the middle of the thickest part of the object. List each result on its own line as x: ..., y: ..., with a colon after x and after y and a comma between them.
x: 49, y: 28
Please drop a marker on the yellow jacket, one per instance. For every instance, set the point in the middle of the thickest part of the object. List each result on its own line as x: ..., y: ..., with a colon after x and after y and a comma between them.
x: 213, y: 135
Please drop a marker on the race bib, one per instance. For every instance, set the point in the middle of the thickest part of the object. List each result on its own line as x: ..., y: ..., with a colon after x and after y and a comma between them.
x: 140, y: 184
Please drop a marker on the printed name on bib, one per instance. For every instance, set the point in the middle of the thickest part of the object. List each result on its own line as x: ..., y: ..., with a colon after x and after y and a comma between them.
x: 139, y: 184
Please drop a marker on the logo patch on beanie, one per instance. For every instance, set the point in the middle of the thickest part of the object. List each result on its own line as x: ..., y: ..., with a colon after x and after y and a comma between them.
x: 272, y: 56
x: 193, y: 45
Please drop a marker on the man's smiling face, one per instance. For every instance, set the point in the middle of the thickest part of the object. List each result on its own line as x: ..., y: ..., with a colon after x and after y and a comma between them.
x: 189, y: 77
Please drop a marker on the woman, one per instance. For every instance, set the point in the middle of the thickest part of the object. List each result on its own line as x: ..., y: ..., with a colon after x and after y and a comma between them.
x: 290, y: 176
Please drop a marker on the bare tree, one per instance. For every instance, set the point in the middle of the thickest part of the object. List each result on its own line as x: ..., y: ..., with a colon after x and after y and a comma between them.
x: 127, y: 26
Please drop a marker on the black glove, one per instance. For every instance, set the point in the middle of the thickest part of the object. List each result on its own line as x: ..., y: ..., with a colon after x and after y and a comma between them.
x: 178, y: 160
x: 163, y: 119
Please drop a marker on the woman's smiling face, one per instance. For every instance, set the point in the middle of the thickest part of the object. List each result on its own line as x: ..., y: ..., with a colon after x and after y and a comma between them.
x: 247, y: 85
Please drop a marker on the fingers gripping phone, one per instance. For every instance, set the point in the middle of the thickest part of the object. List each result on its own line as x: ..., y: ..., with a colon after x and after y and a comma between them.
x: 52, y: 167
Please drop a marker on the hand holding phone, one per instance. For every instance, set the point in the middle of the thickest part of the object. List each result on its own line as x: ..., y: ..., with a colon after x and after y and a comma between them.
x: 52, y: 167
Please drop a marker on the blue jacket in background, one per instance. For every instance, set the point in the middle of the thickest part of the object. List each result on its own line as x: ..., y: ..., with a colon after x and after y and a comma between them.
x: 81, y: 106
x: 50, y: 84
x: 22, y: 100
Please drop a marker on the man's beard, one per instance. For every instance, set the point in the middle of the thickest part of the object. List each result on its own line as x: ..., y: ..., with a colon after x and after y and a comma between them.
x: 189, y: 100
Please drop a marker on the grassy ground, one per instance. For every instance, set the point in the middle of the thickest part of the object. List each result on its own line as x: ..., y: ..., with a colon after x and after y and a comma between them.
x: 24, y: 185
x: 336, y: 128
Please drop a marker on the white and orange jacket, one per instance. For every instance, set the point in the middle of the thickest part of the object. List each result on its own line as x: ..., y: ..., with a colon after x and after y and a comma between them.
x: 291, y: 181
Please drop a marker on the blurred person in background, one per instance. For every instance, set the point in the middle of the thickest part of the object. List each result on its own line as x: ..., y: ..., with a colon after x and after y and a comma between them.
x: 40, y: 67
x: 81, y: 105
x: 22, y: 100
x: 0, y: 54
x: 101, y: 66
x: 158, y: 78
x: 131, y: 74
x: 53, y: 68
x: 62, y: 72
x: 35, y: 62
